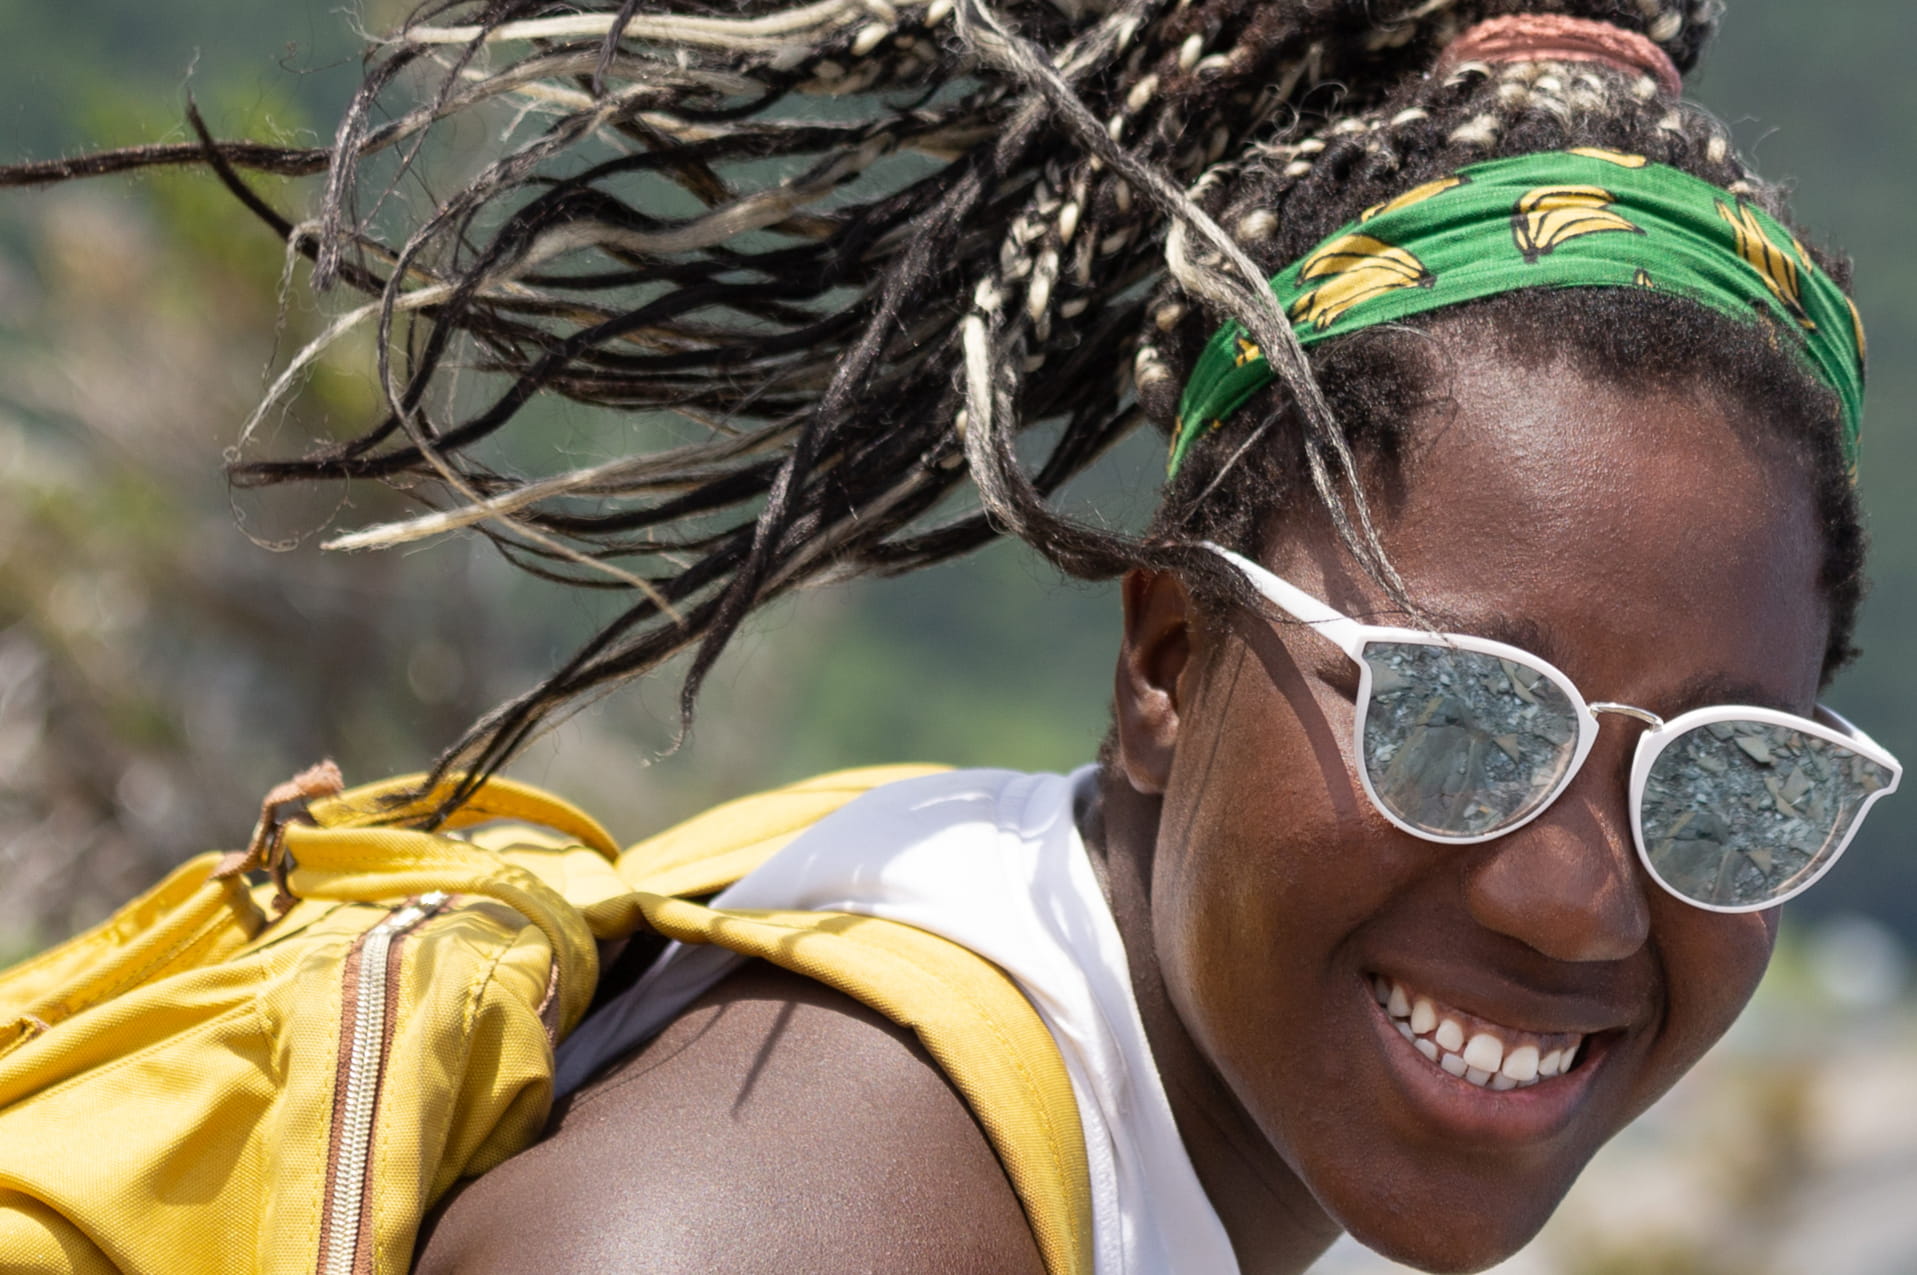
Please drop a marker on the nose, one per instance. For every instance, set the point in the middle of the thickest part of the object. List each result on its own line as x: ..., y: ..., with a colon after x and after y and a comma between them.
x: 1567, y: 883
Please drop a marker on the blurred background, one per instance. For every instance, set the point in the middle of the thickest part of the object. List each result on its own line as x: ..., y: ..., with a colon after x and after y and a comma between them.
x: 170, y: 649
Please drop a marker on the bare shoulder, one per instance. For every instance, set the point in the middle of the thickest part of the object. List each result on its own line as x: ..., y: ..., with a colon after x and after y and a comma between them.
x: 777, y: 1126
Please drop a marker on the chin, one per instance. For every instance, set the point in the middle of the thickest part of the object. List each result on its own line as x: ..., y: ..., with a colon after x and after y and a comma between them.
x: 1467, y: 1244
x: 1449, y: 1213
x: 1446, y: 1230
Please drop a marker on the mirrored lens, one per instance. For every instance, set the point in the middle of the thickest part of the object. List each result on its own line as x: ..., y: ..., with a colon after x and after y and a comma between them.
x: 1458, y: 743
x: 1736, y: 814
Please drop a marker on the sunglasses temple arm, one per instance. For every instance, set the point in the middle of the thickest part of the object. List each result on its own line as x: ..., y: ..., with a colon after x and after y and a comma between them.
x: 1341, y: 629
x: 1851, y: 728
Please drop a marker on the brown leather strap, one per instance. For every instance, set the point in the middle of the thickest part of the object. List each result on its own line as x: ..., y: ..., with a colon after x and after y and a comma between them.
x: 284, y: 803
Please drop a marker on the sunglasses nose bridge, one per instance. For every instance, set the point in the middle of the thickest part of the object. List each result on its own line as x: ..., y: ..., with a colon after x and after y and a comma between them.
x: 1644, y: 715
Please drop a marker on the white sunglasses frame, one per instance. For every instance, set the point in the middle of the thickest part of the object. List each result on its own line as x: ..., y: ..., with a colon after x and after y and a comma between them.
x: 1352, y: 636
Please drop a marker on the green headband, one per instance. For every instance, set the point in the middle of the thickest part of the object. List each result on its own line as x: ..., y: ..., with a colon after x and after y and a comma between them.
x: 1560, y: 219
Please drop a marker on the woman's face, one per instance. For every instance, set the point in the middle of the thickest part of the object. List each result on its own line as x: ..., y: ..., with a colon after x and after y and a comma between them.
x: 1663, y: 555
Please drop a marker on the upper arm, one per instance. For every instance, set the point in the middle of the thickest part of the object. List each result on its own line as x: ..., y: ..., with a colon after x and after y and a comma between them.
x: 777, y: 1126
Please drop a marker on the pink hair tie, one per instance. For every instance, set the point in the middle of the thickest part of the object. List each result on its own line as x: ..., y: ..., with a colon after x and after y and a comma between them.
x: 1554, y: 37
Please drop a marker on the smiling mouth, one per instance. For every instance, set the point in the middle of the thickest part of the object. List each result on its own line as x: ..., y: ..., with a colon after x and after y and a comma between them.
x: 1472, y: 1049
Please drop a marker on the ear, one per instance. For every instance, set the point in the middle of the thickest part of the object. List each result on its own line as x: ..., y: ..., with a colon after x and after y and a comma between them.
x: 1156, y: 652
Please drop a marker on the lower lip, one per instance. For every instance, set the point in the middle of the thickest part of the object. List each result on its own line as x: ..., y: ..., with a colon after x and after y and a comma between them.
x: 1510, y: 1117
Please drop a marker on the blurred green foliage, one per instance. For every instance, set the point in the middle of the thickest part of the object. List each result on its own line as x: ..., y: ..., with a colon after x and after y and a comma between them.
x: 159, y: 668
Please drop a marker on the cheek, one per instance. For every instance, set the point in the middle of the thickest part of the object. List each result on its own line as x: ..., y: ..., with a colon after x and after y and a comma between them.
x: 1712, y: 964
x: 1265, y: 862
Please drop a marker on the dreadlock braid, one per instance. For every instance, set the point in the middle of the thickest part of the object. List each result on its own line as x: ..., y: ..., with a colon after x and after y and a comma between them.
x: 859, y: 247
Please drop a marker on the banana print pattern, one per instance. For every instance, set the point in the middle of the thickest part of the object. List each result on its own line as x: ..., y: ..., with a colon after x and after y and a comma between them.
x: 1356, y: 268
x: 1778, y: 271
x: 1554, y: 215
x: 1416, y: 195
x: 1619, y: 158
x: 1497, y: 227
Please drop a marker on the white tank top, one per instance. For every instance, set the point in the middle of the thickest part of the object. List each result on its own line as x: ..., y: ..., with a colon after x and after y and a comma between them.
x: 992, y: 860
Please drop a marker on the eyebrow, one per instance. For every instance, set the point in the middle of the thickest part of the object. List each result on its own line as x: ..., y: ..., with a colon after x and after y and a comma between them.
x: 1712, y: 689
x: 1520, y: 631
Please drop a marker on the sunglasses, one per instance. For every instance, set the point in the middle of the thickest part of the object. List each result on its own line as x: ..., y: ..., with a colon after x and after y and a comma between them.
x: 1461, y: 739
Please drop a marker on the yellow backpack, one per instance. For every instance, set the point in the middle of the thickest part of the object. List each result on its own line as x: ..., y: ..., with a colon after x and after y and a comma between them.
x: 285, y: 1076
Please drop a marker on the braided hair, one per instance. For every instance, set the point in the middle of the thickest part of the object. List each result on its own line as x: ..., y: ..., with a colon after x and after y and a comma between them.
x: 837, y: 262
x: 1288, y: 193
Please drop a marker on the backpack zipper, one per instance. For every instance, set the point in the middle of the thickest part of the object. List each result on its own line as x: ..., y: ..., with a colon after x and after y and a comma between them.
x: 371, y: 978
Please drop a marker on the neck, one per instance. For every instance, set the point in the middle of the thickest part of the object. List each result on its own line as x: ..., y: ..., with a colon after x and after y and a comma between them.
x: 1275, y: 1226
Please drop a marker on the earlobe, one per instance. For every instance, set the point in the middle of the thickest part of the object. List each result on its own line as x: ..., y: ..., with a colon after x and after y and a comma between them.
x: 1153, y: 658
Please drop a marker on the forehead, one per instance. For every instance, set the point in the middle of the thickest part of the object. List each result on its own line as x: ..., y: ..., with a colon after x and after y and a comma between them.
x: 1647, y: 541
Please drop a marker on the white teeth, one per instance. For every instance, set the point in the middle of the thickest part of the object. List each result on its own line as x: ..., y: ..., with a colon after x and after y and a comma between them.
x: 1485, y: 1052
x: 1521, y: 1064
x: 1485, y: 1060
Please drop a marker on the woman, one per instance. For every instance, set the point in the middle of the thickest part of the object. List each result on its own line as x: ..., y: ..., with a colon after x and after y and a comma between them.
x: 1357, y: 926
x: 1644, y: 489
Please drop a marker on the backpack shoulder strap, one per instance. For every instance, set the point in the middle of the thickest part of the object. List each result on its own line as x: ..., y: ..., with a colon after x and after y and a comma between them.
x: 710, y: 851
x: 971, y: 1017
